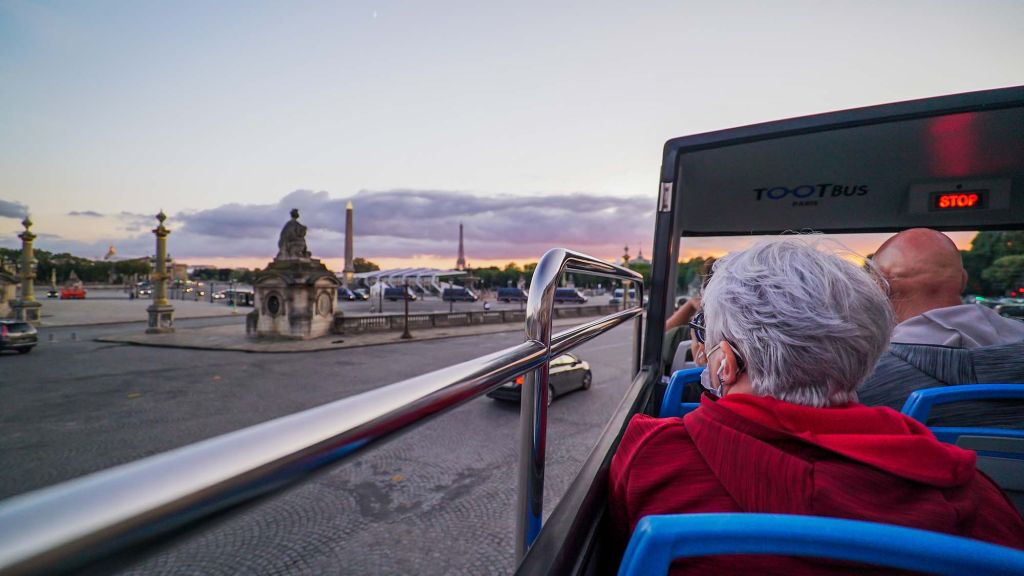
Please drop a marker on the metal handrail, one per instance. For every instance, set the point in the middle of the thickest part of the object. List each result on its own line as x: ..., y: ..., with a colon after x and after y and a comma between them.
x: 534, y: 396
x: 96, y: 517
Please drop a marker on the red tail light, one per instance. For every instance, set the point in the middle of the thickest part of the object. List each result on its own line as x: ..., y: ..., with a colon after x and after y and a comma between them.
x: 3, y: 332
x: 519, y: 379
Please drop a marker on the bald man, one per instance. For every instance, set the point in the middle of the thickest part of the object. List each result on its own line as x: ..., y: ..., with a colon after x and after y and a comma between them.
x: 926, y: 277
x: 938, y: 341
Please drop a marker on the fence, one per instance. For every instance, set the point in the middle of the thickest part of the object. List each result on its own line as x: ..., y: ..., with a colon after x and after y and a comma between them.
x: 372, y: 323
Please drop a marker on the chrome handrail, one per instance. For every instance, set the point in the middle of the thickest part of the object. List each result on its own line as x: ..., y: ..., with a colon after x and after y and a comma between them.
x: 85, y: 520
x: 534, y: 399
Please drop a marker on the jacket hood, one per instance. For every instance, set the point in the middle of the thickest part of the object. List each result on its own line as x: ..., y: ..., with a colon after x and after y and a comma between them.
x: 878, y: 437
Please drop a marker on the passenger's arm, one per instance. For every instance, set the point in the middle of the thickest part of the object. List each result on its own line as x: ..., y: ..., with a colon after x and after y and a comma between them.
x: 684, y: 314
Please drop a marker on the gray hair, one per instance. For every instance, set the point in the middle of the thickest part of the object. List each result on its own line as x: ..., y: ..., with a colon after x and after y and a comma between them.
x: 809, y: 324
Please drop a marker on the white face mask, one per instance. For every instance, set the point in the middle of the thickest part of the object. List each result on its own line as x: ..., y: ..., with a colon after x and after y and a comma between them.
x: 705, y: 376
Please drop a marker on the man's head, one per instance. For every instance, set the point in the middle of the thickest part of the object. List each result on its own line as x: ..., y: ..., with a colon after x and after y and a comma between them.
x: 295, y: 213
x: 924, y: 270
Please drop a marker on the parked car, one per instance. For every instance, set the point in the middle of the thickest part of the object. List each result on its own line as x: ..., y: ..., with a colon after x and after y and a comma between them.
x: 18, y: 335
x: 569, y: 295
x: 567, y: 373
x: 395, y: 294
x: 72, y: 293
x: 512, y: 295
x: 52, y: 294
x: 617, y: 296
x: 459, y: 294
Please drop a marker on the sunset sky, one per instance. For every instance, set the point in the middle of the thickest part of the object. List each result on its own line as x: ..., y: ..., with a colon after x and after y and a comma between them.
x: 535, y: 124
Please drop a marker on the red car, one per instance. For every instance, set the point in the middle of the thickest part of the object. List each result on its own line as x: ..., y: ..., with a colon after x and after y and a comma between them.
x: 72, y: 293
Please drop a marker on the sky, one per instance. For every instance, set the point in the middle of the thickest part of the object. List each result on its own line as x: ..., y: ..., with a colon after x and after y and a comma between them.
x: 536, y: 124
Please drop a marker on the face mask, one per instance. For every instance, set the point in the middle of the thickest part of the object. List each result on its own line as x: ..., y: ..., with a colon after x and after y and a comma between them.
x: 705, y: 376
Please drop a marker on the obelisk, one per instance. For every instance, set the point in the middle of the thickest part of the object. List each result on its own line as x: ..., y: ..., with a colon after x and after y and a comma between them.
x: 350, y: 269
x: 460, y: 263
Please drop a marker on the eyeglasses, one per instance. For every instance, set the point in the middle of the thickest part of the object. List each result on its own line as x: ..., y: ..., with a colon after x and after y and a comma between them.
x: 697, y: 326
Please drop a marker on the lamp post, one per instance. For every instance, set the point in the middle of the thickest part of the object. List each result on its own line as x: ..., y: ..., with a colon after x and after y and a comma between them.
x: 406, y: 335
x: 161, y: 313
x: 27, y: 308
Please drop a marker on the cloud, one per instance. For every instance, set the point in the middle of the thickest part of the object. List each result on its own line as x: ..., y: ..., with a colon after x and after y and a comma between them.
x: 89, y: 213
x: 12, y: 209
x: 392, y: 224
x: 408, y: 223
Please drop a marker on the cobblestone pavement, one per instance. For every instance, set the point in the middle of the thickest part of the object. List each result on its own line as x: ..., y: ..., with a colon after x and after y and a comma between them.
x: 438, y: 500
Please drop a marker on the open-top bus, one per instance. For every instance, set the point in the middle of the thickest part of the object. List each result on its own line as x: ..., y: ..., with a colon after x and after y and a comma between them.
x: 949, y: 163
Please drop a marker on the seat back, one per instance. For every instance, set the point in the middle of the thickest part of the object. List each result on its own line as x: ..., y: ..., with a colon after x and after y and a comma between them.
x: 658, y: 540
x: 1002, y: 459
x: 920, y: 403
x: 672, y: 405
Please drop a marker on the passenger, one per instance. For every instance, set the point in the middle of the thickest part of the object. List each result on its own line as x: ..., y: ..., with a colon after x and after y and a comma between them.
x: 792, y: 330
x: 679, y: 330
x: 939, y: 341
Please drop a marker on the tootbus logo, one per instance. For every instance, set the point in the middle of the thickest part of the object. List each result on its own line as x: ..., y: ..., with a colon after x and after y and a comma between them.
x: 811, y: 191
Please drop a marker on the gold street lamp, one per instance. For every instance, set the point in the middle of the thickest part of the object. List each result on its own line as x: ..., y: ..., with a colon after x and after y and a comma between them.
x: 27, y: 308
x: 161, y: 313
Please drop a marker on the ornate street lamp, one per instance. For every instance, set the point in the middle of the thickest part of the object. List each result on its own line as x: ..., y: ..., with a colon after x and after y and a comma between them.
x: 161, y: 313
x: 27, y: 308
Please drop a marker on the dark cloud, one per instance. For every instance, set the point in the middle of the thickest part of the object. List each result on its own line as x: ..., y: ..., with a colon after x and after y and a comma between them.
x: 406, y: 223
x: 10, y: 209
x: 89, y: 213
x: 393, y: 224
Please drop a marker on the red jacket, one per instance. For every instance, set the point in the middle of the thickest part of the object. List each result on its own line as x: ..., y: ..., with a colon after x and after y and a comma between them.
x: 747, y: 453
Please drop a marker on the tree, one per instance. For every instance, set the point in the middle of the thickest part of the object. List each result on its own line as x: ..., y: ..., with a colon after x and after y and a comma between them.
x: 364, y: 265
x: 1006, y: 274
x: 986, y: 249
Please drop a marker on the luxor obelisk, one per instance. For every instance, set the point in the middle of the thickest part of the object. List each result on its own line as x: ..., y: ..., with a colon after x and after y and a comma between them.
x: 350, y: 269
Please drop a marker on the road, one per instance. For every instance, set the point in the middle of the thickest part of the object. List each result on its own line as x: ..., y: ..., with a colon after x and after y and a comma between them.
x: 438, y: 500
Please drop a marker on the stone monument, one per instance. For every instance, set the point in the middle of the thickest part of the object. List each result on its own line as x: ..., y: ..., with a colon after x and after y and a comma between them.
x: 295, y: 294
x: 8, y: 291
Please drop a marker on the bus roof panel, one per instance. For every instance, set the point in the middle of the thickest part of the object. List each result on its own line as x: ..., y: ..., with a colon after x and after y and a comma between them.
x: 952, y: 163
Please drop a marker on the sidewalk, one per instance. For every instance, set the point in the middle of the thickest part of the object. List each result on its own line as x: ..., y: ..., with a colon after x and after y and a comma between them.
x: 232, y: 337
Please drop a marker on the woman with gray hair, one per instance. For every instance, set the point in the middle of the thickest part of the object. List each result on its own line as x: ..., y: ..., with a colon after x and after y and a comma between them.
x: 792, y: 329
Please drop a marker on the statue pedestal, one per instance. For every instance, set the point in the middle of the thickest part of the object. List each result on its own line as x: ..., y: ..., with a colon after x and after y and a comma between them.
x: 295, y: 299
x: 27, y: 311
x: 161, y: 319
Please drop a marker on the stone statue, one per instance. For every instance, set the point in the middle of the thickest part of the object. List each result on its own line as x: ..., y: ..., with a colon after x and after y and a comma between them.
x: 292, y: 244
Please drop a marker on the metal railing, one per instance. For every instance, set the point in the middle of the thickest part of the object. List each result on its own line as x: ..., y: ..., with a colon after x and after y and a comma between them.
x: 534, y: 399
x: 101, y: 517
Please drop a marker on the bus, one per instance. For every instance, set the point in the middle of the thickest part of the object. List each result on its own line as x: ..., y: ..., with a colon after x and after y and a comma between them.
x: 876, y: 169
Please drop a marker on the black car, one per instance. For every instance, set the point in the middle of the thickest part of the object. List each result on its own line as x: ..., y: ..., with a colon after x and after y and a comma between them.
x: 569, y: 295
x: 567, y: 373
x: 394, y: 294
x: 350, y: 295
x: 458, y: 294
x: 512, y: 295
x: 18, y: 335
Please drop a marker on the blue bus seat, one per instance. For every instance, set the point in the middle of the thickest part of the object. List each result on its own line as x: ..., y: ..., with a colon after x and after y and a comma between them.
x: 920, y: 403
x: 658, y: 540
x: 672, y: 405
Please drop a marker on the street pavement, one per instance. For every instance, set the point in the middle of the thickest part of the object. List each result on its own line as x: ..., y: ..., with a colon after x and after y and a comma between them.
x: 437, y: 500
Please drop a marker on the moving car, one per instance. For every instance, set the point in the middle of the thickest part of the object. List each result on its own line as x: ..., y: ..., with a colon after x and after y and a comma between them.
x: 569, y: 295
x: 512, y: 295
x: 346, y: 294
x: 459, y: 294
x: 18, y: 335
x: 567, y: 373
x: 72, y: 293
x: 362, y: 293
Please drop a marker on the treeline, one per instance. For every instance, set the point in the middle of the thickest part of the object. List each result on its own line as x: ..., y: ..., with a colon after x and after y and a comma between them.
x: 995, y: 264
x: 87, y: 270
